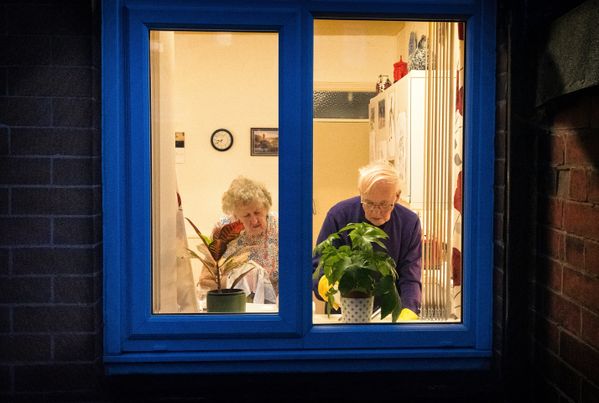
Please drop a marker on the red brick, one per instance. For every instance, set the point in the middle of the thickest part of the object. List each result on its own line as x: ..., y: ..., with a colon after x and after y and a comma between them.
x: 500, y: 115
x: 499, y: 255
x: 498, y: 223
x: 590, y: 328
x: 590, y: 393
x: 581, y: 288
x: 499, y: 172
x: 557, y: 150
x: 579, y: 184
x: 502, y: 63
x: 556, y: 372
x: 594, y: 187
x: 500, y: 144
x: 561, y: 310
x: 581, y: 149
x: 551, y: 243
x: 544, y: 390
x: 546, y: 333
x: 591, y: 257
x: 547, y: 181
x: 549, y: 273
x: 563, y: 183
x: 555, y: 212
x: 581, y: 219
x: 575, y: 251
x: 575, y: 114
x: 580, y: 356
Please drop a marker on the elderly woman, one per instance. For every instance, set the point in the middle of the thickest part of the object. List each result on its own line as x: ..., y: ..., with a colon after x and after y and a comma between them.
x: 249, y: 202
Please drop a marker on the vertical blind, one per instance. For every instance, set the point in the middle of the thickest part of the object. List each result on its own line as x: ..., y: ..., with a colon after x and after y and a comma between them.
x: 437, y: 212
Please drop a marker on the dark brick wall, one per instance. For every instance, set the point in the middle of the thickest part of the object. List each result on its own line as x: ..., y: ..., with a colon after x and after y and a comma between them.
x: 550, y: 281
x: 564, y: 310
x: 50, y: 200
x: 501, y: 130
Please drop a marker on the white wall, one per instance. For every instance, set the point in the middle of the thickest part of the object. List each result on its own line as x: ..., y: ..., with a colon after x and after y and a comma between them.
x: 223, y: 80
x: 403, y: 37
x: 353, y: 58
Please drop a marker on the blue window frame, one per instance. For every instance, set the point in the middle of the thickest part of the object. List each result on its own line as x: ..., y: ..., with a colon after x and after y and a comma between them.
x: 138, y: 341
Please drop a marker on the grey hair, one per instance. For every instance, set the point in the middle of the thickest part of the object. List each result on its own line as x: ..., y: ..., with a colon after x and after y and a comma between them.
x: 377, y: 171
x: 244, y: 191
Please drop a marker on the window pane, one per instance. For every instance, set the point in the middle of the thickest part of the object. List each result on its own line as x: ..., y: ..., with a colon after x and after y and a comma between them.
x: 214, y: 106
x: 411, y: 73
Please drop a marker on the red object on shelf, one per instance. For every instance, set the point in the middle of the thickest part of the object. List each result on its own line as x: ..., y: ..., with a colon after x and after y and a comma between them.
x: 400, y: 69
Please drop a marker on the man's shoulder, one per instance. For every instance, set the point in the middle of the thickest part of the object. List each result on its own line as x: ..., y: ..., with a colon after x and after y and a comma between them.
x: 405, y: 214
x: 345, y: 206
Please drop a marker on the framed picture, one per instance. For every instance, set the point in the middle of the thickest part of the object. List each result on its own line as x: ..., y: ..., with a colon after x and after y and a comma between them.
x: 265, y: 141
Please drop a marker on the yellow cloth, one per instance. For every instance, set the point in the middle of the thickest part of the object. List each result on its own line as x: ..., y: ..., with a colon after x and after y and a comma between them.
x: 323, y: 288
x: 407, y: 314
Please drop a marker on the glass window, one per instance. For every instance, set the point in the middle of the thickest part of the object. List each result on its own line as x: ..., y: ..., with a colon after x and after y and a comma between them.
x: 214, y: 123
x: 195, y: 95
x: 392, y: 91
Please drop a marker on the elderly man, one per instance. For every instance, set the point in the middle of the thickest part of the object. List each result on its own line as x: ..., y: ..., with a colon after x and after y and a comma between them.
x: 379, y: 189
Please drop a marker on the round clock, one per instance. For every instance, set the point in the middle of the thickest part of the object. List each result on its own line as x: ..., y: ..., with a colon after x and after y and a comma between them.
x: 221, y: 140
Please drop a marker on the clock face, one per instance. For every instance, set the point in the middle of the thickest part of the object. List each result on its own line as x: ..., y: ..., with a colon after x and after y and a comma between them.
x: 221, y: 139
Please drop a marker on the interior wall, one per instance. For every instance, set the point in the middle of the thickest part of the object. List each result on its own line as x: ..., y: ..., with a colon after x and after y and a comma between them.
x: 403, y: 37
x: 348, y: 55
x: 340, y: 149
x: 222, y: 80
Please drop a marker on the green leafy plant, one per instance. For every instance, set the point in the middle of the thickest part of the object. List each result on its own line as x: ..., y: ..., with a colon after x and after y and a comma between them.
x: 213, y: 248
x: 358, y: 269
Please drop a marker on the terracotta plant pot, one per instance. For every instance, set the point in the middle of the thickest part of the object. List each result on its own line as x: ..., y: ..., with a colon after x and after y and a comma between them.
x: 230, y: 300
x: 356, y: 310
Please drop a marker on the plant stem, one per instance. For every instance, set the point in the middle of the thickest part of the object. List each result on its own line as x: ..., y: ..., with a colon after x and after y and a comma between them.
x: 218, y: 277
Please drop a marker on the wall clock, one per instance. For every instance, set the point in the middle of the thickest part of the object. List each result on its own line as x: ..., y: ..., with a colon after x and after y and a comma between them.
x: 221, y: 140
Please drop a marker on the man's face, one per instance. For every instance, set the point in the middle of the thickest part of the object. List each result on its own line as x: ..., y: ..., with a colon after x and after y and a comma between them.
x: 378, y: 203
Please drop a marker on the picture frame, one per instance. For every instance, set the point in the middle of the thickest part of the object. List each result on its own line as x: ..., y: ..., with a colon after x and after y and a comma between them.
x: 264, y: 141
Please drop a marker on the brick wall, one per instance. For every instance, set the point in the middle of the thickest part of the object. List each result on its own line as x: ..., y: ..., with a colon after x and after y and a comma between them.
x: 546, y: 222
x: 564, y: 312
x: 501, y: 127
x: 50, y: 199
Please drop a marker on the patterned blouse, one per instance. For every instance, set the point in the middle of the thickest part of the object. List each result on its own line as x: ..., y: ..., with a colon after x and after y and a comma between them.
x: 264, y: 249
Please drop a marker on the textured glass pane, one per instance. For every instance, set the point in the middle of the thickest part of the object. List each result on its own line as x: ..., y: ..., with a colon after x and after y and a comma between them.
x: 341, y: 104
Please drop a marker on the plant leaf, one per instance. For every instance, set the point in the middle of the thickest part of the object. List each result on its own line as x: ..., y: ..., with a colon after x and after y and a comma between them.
x: 389, y: 297
x: 217, y: 248
x: 233, y: 262
x: 203, y: 249
x: 229, y: 232
x: 204, y: 238
x: 241, y: 276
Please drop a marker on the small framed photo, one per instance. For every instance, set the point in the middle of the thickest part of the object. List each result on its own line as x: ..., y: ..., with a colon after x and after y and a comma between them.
x: 265, y: 141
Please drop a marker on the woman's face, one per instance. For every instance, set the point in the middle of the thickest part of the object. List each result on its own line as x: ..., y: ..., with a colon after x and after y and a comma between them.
x: 253, y: 217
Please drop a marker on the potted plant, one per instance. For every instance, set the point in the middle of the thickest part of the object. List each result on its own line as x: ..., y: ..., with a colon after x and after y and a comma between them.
x: 359, y: 272
x: 213, y: 249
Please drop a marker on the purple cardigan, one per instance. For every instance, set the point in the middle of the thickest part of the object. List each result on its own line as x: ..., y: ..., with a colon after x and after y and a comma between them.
x: 404, y: 245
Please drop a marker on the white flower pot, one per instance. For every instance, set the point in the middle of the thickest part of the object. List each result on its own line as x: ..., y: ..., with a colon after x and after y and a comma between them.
x: 356, y: 310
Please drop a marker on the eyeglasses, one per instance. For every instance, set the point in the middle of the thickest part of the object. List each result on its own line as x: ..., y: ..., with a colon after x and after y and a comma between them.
x: 384, y: 206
